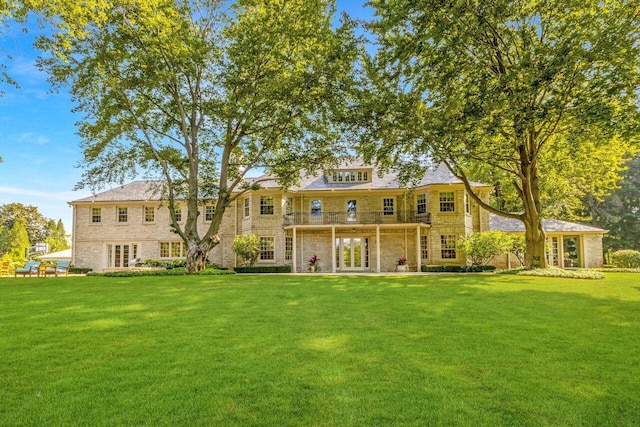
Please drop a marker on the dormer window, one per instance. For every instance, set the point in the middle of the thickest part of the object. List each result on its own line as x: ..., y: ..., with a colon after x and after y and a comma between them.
x: 349, y: 176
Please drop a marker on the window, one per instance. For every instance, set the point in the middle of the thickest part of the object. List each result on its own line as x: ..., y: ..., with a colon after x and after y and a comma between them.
x: 164, y: 250
x: 316, y: 207
x: 349, y: 176
x: 352, y: 208
x: 171, y: 250
x: 96, y: 215
x: 288, y: 248
x: 387, y: 206
x: 118, y: 255
x: 149, y: 214
x: 421, y: 203
x: 122, y: 214
x: 247, y: 207
x: 209, y: 211
x: 266, y: 205
x: 178, y: 212
x: 267, y: 252
x: 176, y: 249
x: 448, y: 246
x: 447, y: 203
x: 467, y: 207
x: 288, y: 206
x: 424, y: 246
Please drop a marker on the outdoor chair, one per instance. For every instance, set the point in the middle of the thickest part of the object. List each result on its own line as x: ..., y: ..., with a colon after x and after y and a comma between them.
x: 61, y: 268
x: 29, y: 268
x: 4, y: 268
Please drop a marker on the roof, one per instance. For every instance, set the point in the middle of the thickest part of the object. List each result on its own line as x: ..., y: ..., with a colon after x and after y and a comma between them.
x: 134, y: 191
x: 501, y: 223
x: 151, y: 190
x: 57, y: 256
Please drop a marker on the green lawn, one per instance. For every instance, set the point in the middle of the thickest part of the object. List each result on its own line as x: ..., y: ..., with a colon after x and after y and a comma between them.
x: 320, y: 350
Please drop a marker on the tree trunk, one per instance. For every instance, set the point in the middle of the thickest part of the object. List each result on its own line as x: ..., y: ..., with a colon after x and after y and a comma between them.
x: 535, y: 252
x: 197, y: 254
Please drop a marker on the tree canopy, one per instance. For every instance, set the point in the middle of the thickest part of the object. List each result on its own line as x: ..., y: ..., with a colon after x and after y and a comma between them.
x: 199, y: 93
x: 526, y: 92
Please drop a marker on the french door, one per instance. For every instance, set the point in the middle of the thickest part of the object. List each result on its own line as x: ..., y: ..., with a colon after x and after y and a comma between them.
x: 119, y: 254
x: 352, y: 253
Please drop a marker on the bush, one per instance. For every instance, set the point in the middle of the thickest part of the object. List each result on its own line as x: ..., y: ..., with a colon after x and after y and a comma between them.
x: 247, y: 247
x: 79, y: 270
x: 626, y: 258
x: 264, y: 269
x: 456, y: 268
x: 169, y: 272
x: 176, y: 263
x: 559, y: 272
x: 482, y: 247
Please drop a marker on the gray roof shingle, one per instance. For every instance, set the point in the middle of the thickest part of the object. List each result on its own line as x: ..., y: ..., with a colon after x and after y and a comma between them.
x: 501, y: 223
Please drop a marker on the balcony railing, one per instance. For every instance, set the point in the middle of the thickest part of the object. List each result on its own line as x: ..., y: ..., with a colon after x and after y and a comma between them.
x: 371, y: 217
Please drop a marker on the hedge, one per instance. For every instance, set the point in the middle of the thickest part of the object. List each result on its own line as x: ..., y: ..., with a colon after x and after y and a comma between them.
x: 264, y: 269
x: 456, y: 268
x: 168, y: 272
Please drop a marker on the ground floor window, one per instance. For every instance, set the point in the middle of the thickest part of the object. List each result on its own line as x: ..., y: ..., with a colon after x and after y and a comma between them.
x: 288, y: 248
x: 448, y: 246
x: 119, y: 254
x: 571, y: 251
x: 424, y: 247
x: 267, y: 246
x: 171, y: 250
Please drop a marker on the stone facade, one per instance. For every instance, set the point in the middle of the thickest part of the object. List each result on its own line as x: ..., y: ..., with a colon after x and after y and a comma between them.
x: 357, y: 225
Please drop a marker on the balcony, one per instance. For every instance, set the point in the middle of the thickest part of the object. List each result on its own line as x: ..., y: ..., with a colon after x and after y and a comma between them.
x: 348, y: 218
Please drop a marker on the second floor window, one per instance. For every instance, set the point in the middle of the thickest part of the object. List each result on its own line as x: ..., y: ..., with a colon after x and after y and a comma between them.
x: 266, y: 205
x: 149, y: 214
x: 209, y: 211
x: 387, y: 206
x: 288, y: 207
x: 123, y: 214
x: 178, y: 212
x: 247, y: 207
x: 447, y: 202
x: 421, y: 204
x: 96, y: 215
x: 316, y: 207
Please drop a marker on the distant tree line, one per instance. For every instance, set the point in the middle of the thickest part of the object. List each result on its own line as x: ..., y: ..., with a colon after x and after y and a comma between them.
x: 21, y: 227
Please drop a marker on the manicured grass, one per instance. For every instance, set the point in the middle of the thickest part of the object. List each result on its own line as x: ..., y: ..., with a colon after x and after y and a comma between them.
x: 320, y: 350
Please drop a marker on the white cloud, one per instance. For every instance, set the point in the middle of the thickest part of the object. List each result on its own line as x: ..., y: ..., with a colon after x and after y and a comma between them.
x: 60, y: 195
x: 33, y: 138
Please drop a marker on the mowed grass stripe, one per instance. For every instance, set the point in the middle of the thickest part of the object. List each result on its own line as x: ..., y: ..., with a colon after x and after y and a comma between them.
x: 320, y: 350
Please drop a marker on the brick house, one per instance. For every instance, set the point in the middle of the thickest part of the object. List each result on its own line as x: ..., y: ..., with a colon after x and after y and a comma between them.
x: 352, y: 218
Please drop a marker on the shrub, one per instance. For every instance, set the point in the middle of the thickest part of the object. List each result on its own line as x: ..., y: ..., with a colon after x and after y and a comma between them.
x: 79, y: 270
x: 482, y: 247
x: 559, y: 272
x: 169, y: 272
x: 456, y: 268
x: 626, y: 258
x: 264, y: 269
x: 247, y: 247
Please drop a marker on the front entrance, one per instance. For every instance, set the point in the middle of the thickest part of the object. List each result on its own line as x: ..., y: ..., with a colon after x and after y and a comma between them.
x: 352, y: 253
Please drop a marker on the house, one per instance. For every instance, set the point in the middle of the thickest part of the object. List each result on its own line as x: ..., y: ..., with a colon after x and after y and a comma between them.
x: 351, y: 217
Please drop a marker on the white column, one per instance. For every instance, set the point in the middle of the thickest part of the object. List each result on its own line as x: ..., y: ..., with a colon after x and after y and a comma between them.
x: 418, y: 250
x: 377, y: 248
x: 294, y: 251
x: 333, y: 248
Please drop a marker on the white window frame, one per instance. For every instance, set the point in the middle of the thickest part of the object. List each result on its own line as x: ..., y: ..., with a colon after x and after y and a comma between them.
x: 264, y: 251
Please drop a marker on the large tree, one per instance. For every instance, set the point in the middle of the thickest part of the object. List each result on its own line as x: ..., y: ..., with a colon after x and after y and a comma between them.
x: 500, y: 86
x: 32, y: 220
x: 620, y: 212
x: 198, y: 93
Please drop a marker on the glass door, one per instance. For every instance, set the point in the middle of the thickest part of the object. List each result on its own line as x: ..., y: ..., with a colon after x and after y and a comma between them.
x: 119, y: 254
x: 352, y: 253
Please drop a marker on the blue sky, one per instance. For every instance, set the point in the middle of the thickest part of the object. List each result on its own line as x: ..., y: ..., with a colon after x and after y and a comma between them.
x: 38, y: 140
